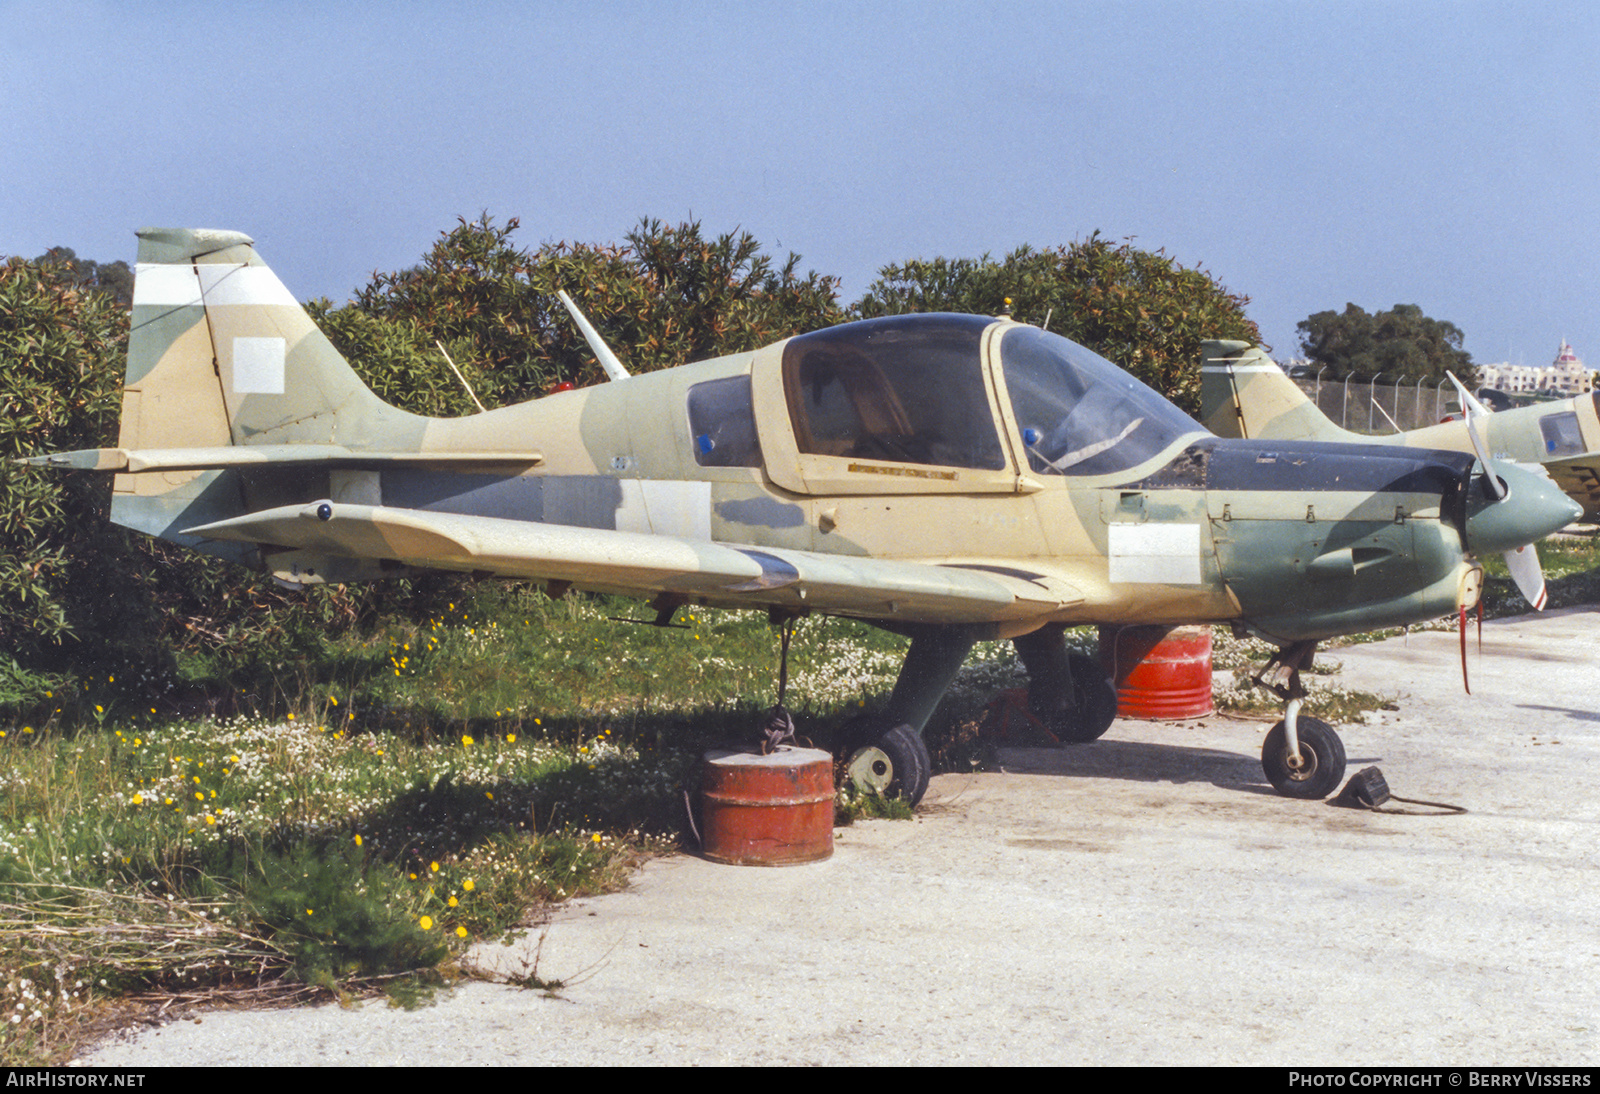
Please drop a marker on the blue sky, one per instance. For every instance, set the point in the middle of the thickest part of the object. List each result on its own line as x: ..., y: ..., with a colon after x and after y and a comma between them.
x: 1307, y: 154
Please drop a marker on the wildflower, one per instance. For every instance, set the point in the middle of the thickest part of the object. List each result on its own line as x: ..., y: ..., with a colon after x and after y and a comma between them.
x: 467, y: 885
x: 138, y: 799
x: 511, y: 738
x: 308, y: 911
x: 595, y: 838
x: 434, y: 866
x: 358, y: 839
x: 426, y: 923
x: 452, y: 902
x: 466, y: 740
x: 461, y: 932
x: 489, y: 794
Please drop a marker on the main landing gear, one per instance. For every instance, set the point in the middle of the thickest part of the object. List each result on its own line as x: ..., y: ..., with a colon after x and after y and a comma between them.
x: 1302, y: 756
x: 1068, y: 692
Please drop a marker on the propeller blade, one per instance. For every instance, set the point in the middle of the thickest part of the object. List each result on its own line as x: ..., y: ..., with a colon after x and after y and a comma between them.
x: 1474, y: 410
x: 1461, y: 629
x: 1527, y: 574
x: 1470, y: 406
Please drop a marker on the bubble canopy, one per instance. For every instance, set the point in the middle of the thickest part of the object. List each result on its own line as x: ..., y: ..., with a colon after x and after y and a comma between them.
x: 912, y: 389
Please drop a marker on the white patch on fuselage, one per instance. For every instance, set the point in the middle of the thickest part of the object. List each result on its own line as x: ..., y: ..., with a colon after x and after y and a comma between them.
x: 665, y: 508
x: 258, y: 366
x: 1154, y: 554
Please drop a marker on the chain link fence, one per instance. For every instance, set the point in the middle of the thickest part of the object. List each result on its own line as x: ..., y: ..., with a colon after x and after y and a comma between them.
x: 1363, y: 406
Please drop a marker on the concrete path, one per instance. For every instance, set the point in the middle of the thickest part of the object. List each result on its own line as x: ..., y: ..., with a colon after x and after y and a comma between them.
x: 1146, y: 899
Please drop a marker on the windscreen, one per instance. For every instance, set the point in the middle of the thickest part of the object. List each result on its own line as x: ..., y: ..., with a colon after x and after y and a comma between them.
x: 1080, y: 414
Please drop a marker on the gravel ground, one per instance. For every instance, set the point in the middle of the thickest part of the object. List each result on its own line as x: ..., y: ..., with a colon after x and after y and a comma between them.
x: 1147, y: 899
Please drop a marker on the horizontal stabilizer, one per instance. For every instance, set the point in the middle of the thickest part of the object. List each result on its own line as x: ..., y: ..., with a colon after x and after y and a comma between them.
x: 607, y: 560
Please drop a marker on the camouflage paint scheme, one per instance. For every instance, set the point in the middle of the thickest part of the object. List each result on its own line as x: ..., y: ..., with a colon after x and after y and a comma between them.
x: 1009, y: 486
x: 1245, y: 394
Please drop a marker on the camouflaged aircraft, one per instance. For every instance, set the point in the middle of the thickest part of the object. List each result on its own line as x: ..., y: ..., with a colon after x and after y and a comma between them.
x: 1244, y: 394
x: 947, y: 477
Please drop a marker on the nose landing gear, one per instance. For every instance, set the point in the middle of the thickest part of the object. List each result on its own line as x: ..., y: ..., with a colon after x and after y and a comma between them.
x: 1302, y: 756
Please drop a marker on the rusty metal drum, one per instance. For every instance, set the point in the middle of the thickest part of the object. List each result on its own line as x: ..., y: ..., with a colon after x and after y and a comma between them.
x: 1160, y: 673
x: 774, y: 810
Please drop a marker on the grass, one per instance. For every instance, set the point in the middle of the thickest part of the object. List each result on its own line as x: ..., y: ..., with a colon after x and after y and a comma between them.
x: 371, y: 804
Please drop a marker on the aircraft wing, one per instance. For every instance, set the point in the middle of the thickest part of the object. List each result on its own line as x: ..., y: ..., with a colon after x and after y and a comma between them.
x: 262, y: 455
x: 638, y: 564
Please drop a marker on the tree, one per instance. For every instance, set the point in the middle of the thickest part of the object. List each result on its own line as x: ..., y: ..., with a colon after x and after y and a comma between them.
x: 669, y: 295
x: 61, y: 351
x: 114, y: 279
x: 1140, y: 309
x: 1394, y: 343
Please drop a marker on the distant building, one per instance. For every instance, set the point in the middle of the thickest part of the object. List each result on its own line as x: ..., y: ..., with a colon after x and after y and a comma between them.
x: 1566, y: 376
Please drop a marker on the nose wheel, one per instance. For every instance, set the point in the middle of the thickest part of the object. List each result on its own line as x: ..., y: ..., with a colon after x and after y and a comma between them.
x: 1313, y: 771
x: 1302, y: 756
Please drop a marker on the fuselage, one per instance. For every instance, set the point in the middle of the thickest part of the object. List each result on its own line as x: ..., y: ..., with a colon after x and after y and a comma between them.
x: 961, y: 441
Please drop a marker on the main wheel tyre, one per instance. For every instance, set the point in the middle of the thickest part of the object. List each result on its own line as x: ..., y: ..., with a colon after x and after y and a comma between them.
x: 1321, y: 760
x: 895, y: 762
x: 1096, y: 705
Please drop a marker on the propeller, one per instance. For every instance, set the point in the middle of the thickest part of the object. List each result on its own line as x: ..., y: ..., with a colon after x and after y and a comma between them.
x: 1522, y: 561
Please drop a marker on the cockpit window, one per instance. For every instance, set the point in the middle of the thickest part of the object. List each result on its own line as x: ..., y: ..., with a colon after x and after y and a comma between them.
x: 1080, y: 414
x: 722, y: 423
x: 1561, y: 434
x: 905, y: 389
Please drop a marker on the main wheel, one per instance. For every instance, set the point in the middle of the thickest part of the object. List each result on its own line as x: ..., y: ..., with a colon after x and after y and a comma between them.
x: 1321, y: 760
x: 1095, y: 708
x: 894, y: 762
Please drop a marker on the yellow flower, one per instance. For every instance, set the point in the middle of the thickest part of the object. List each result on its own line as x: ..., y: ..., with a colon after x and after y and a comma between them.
x: 199, y: 797
x: 467, y: 885
x: 595, y: 838
x: 466, y: 740
x: 453, y: 902
x: 461, y: 932
x: 210, y: 819
x: 358, y: 839
x: 489, y: 794
x: 308, y: 911
x: 138, y: 799
x: 511, y: 738
x: 434, y: 866
x: 426, y: 923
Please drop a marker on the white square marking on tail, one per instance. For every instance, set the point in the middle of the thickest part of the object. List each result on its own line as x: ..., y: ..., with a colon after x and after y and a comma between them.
x: 258, y: 366
x: 1154, y: 554
x: 228, y: 285
x: 165, y: 286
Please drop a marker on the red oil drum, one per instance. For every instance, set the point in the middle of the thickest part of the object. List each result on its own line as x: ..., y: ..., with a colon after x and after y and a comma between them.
x: 772, y: 810
x: 1159, y: 672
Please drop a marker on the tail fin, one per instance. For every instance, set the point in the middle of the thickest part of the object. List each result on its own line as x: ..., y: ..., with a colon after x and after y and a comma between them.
x: 220, y: 354
x: 1243, y: 393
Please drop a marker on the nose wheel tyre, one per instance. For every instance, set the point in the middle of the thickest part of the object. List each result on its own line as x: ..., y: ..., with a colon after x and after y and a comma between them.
x: 1321, y: 766
x: 894, y: 762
